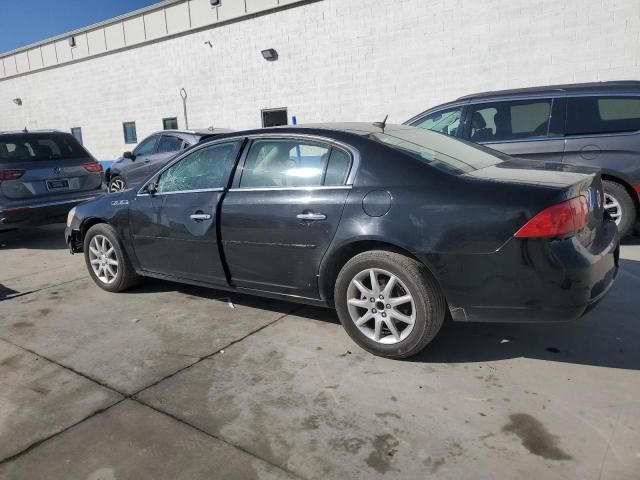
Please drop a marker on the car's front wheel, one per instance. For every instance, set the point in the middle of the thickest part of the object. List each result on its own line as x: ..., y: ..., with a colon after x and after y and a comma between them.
x: 117, y: 184
x: 388, y: 303
x: 106, y: 260
x: 619, y: 204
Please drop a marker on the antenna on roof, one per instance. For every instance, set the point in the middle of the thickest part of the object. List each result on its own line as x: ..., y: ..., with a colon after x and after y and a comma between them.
x: 382, y: 124
x: 25, y: 130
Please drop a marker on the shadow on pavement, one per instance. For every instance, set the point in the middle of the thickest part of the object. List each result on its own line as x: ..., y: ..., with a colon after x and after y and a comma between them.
x: 49, y: 237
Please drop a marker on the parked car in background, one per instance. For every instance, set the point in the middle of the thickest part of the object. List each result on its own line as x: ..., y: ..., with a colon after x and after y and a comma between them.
x: 151, y: 154
x: 392, y: 225
x: 43, y: 174
x: 592, y: 124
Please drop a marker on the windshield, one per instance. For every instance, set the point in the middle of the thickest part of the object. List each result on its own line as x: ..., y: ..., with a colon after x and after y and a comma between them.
x: 28, y: 147
x: 451, y: 155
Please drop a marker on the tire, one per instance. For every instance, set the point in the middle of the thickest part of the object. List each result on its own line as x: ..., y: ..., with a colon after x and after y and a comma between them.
x: 124, y: 276
x: 427, y: 307
x: 117, y: 184
x: 623, y: 202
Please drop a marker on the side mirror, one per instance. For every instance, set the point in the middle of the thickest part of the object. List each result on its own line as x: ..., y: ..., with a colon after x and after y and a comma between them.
x: 129, y: 155
x: 152, y: 189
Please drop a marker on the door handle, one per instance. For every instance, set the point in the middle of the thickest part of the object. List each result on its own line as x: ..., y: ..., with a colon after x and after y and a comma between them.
x: 198, y: 217
x: 311, y: 217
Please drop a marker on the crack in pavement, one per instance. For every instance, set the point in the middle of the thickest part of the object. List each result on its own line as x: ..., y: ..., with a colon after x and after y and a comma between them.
x: 132, y: 396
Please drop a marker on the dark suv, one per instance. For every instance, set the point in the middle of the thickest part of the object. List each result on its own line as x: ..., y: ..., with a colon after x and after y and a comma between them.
x: 153, y: 153
x: 43, y: 174
x: 594, y: 124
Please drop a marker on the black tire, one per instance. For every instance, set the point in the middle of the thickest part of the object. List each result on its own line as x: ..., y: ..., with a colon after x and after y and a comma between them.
x: 126, y: 275
x: 430, y: 304
x: 629, y: 213
x: 117, y: 180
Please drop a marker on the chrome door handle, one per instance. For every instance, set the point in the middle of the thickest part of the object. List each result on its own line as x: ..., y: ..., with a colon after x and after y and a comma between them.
x: 198, y: 217
x: 311, y: 217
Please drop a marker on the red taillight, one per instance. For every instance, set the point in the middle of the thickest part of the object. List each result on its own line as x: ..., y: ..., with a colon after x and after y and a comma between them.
x: 93, y: 167
x: 561, y: 219
x: 10, y: 174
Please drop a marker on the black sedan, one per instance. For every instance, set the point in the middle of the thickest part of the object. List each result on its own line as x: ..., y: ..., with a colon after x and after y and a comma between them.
x: 396, y: 227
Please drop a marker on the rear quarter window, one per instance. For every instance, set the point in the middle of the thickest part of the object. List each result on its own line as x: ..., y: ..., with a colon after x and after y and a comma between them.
x: 594, y: 115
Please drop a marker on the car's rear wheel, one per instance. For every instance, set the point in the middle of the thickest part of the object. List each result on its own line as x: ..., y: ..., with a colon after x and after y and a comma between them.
x: 117, y: 184
x: 106, y: 260
x: 619, y: 204
x: 388, y: 303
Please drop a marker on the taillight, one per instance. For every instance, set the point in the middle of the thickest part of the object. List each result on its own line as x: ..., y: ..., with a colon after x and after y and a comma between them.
x: 93, y: 167
x: 561, y: 219
x: 10, y: 174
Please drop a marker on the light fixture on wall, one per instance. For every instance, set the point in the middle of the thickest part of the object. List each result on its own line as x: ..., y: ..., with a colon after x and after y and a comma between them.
x: 215, y: 3
x: 72, y: 41
x: 270, y: 55
x: 17, y: 101
x: 208, y: 42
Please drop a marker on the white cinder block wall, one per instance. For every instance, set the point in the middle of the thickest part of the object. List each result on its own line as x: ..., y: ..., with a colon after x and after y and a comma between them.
x: 340, y: 60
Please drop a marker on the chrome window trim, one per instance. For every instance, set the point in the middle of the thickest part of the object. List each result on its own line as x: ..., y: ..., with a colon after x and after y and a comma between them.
x: 271, y: 189
x: 200, y: 190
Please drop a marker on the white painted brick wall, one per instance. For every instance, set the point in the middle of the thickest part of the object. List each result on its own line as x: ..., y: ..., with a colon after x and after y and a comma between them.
x: 339, y: 61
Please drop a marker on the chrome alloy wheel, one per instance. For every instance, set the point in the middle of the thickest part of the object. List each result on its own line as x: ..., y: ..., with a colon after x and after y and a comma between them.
x: 117, y: 185
x: 103, y: 259
x: 381, y: 306
x: 613, y: 207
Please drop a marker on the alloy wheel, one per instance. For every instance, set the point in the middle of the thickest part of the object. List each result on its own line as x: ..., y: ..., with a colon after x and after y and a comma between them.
x: 381, y: 306
x: 103, y: 259
x: 613, y: 207
x: 117, y: 185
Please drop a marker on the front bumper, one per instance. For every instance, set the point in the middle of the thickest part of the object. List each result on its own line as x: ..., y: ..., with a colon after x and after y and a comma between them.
x: 52, y: 211
x: 535, y: 281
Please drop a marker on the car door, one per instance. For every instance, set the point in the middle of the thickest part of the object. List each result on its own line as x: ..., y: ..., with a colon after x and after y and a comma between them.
x: 138, y: 169
x: 282, y: 214
x: 530, y: 128
x: 173, y: 220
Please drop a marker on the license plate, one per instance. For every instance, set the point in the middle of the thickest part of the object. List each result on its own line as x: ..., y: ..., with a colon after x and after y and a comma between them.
x: 58, y: 184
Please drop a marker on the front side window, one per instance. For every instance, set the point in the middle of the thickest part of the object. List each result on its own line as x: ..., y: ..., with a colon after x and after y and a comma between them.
x: 285, y: 163
x: 169, y: 144
x: 147, y: 147
x: 206, y: 168
x: 593, y: 115
x: 130, y: 134
x: 503, y: 121
x: 444, y: 121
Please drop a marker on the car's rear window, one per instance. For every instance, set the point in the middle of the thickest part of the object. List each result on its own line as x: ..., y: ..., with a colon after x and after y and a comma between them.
x: 451, y: 155
x: 28, y: 147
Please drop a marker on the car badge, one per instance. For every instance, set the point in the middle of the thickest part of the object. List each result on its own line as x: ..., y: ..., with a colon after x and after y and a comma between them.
x: 58, y: 171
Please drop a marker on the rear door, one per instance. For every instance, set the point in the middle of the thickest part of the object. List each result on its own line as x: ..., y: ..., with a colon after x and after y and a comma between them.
x: 280, y: 218
x: 175, y: 230
x: 530, y: 128
x: 45, y: 165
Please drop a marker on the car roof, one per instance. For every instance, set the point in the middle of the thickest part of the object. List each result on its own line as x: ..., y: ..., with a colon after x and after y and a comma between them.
x: 22, y: 132
x: 625, y: 86
x: 197, y: 132
x: 359, y: 128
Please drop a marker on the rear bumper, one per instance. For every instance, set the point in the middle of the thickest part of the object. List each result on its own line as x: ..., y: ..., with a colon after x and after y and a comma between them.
x: 51, y: 211
x: 536, y: 281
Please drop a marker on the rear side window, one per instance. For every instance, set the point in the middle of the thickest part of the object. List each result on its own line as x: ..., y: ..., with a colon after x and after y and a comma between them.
x: 503, y: 121
x: 444, y: 121
x: 593, y: 115
x: 39, y: 146
x: 338, y: 168
x: 285, y: 163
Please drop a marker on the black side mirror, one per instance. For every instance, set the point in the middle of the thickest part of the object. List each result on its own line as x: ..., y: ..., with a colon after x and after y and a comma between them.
x: 129, y: 155
x: 152, y: 188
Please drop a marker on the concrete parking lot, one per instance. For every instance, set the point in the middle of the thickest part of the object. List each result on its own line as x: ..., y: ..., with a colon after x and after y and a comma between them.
x: 175, y: 382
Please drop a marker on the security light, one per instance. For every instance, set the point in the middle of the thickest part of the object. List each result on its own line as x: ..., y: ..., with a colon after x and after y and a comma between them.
x: 270, y: 55
x: 17, y: 101
x: 72, y: 42
x: 215, y: 3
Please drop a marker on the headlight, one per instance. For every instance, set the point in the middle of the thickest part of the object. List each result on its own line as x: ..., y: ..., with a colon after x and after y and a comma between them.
x: 70, y: 216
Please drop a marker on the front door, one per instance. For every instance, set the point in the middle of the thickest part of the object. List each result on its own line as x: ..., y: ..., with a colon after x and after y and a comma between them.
x: 174, y: 229
x: 521, y: 128
x: 283, y: 214
x: 138, y: 170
